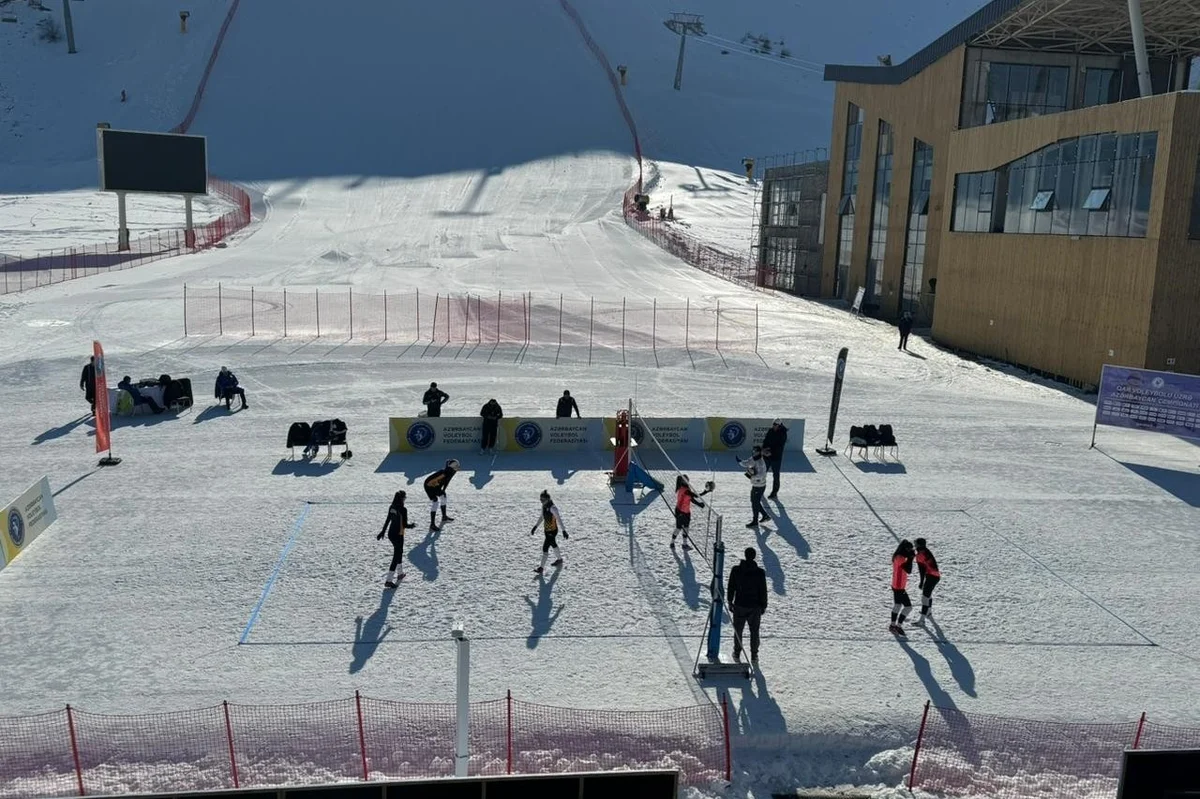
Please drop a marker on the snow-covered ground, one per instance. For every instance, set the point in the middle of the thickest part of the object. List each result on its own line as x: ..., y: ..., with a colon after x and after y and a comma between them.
x: 712, y: 204
x: 1068, y: 589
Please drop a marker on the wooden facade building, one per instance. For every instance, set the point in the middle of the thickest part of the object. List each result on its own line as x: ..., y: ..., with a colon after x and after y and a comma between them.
x: 1011, y: 188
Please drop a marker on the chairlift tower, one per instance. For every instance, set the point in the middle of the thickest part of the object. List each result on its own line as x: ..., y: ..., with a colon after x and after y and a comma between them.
x: 683, y: 24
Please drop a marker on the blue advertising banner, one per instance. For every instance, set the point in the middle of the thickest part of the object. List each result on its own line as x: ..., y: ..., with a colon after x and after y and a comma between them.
x: 1143, y: 399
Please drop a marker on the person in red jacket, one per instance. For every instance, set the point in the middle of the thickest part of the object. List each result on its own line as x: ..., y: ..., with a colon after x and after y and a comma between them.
x: 927, y: 567
x: 902, y: 563
x: 684, y: 497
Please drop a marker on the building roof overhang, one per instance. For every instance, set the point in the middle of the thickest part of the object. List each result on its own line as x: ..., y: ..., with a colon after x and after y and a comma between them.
x: 1062, y: 26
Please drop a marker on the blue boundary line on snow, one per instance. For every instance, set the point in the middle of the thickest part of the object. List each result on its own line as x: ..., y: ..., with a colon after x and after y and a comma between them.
x: 296, y: 528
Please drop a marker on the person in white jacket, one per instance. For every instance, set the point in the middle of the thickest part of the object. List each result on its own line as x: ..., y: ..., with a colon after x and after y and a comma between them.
x: 756, y: 470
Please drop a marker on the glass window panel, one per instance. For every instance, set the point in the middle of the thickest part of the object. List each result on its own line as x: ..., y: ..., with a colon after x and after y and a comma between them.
x: 1120, y: 204
x: 1038, y: 83
x: 1064, y: 199
x: 1127, y: 146
x: 1012, y: 210
x: 997, y: 92
x: 1056, y: 92
x: 1018, y: 88
x: 1087, y: 151
x: 1139, y: 220
x: 1097, y: 200
x: 1044, y: 200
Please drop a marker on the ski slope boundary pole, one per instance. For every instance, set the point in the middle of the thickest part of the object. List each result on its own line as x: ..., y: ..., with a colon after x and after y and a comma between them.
x: 252, y: 312
x: 725, y: 724
x: 362, y: 736
x: 233, y: 770
x: 509, y: 729
x: 75, y: 750
x: 285, y: 313
x: 318, y: 295
x: 184, y: 303
x: 1137, y: 736
x: 912, y: 771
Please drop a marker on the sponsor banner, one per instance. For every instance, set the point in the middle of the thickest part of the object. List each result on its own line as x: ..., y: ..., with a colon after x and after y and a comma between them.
x: 740, y: 434
x: 551, y: 435
x: 671, y: 433
x: 26, y: 518
x: 439, y: 434
x: 103, y: 443
x: 1143, y: 399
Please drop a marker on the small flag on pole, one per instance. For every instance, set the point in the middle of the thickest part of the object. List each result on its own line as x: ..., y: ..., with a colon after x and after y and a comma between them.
x: 103, y: 422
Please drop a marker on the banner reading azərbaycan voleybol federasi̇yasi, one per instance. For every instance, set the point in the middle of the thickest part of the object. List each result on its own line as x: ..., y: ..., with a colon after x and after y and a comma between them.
x: 25, y: 519
x: 536, y: 434
x: 1143, y: 399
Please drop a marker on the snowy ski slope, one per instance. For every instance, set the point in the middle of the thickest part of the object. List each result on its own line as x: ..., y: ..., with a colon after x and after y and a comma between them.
x: 1068, y: 589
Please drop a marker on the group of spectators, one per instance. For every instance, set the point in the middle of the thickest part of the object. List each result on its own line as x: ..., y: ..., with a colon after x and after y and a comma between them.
x: 225, y: 390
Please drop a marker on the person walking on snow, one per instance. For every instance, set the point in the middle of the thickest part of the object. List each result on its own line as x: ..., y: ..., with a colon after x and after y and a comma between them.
x: 87, y: 382
x: 492, y: 413
x: 774, y: 441
x: 433, y: 399
x: 566, y: 404
x: 435, y: 488
x: 930, y: 576
x: 906, y: 326
x: 393, y: 527
x: 747, y: 593
x: 551, y: 524
x: 902, y: 563
x: 684, y: 497
x: 756, y: 470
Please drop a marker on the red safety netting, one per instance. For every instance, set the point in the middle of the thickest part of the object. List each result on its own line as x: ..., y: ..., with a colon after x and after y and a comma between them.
x: 972, y: 754
x: 229, y: 745
x: 550, y: 739
x: 1166, y: 736
x: 152, y: 752
x: 56, y: 266
x: 35, y: 756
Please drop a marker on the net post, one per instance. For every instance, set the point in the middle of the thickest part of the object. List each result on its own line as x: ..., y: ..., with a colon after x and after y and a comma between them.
x: 912, y: 771
x: 418, y: 338
x: 252, y: 311
x: 362, y: 737
x: 622, y: 325
x: 449, y: 306
x: 184, y: 302
x: 220, y: 311
x: 718, y: 325
x: 508, y: 702
x: 654, y: 327
x: 725, y: 724
x: 687, y: 324
x: 75, y: 751
x: 385, y: 314
x: 1137, y: 736
x: 499, y: 304
x: 318, y: 295
x: 560, y: 317
x: 591, y: 330
x: 350, y: 299
x: 233, y: 769
x: 718, y: 596
x: 285, y: 313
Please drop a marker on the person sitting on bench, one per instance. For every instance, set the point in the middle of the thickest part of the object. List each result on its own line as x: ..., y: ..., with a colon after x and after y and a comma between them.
x: 138, y: 398
x: 227, y: 388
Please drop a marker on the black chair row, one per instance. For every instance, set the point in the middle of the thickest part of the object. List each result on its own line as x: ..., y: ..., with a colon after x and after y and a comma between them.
x: 329, y: 433
x: 868, y: 437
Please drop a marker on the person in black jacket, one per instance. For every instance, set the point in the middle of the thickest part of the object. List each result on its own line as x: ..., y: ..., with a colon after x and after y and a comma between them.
x: 566, y: 404
x: 87, y: 382
x: 435, y: 488
x: 747, y: 594
x: 774, y: 441
x: 492, y: 413
x: 433, y: 400
x: 906, y: 326
x: 393, y: 527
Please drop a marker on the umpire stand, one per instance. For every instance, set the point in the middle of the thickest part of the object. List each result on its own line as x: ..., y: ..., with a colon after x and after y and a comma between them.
x: 714, y: 664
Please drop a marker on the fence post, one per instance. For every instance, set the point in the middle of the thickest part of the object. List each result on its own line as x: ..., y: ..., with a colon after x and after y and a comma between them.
x: 526, y: 301
x: 285, y: 313
x: 756, y: 328
x: 1137, y: 736
x: 351, y: 298
x: 252, y: 312
x: 728, y: 753
x: 229, y: 738
x: 912, y: 771
x: 220, y: 312
x: 622, y: 324
x: 75, y: 750
x: 718, y: 325
x: 449, y: 313
x: 385, y: 314
x: 317, y: 292
x: 499, y: 303
x: 437, y: 305
x: 509, y: 771
x: 591, y: 329
x: 184, y: 303
x: 418, y: 337
x: 479, y: 319
x: 560, y: 314
x: 687, y: 324
x: 654, y: 327
x: 362, y: 736
x: 467, y: 320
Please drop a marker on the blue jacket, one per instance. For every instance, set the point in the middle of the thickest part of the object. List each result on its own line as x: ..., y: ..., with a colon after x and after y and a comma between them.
x: 225, y: 382
x: 136, y: 395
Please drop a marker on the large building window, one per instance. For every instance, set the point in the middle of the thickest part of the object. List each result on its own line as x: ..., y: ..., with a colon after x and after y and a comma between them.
x: 1096, y: 185
x: 918, y: 227
x: 853, y: 154
x: 1017, y: 91
x: 1101, y: 86
x: 879, y: 211
x: 1194, y: 226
